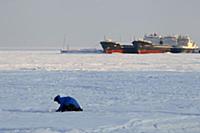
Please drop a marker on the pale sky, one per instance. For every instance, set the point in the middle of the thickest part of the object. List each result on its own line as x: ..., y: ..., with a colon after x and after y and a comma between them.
x: 43, y: 23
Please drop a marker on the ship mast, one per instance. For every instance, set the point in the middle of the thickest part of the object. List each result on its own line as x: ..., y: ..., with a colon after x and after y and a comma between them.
x: 64, y: 43
x: 104, y: 38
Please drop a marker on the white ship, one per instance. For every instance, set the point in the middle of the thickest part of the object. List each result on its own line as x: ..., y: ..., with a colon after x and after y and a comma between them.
x: 178, y: 43
x: 185, y: 45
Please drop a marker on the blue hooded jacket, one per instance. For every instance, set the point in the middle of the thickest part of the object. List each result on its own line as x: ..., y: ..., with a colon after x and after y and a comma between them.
x: 66, y: 101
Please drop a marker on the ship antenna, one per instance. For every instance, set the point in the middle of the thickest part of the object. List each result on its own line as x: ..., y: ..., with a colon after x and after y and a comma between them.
x: 67, y: 46
x: 132, y: 38
x: 104, y: 38
x: 64, y: 43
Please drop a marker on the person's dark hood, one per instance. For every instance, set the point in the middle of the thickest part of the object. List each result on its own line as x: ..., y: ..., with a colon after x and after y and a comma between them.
x: 57, y: 99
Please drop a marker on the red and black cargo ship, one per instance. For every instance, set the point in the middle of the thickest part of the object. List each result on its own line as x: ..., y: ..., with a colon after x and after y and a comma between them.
x: 153, y: 43
x: 146, y: 47
x: 136, y: 47
x: 116, y: 47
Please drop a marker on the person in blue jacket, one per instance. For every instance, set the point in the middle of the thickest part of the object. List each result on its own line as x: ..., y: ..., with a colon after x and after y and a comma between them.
x: 67, y: 104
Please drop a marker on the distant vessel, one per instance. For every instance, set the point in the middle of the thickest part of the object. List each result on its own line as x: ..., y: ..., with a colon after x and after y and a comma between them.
x: 64, y: 50
x: 81, y: 51
x: 147, y: 47
x: 185, y: 45
x: 149, y: 44
x: 152, y: 43
x: 110, y: 46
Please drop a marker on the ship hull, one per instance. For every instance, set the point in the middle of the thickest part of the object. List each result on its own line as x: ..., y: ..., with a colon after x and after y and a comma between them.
x: 81, y: 51
x: 143, y: 47
x: 184, y: 50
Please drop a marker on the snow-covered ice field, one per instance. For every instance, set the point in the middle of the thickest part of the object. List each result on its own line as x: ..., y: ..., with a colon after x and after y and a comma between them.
x: 120, y: 93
